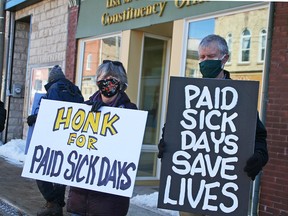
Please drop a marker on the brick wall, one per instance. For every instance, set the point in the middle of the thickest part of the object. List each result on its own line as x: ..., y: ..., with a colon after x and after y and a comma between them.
x: 274, y: 185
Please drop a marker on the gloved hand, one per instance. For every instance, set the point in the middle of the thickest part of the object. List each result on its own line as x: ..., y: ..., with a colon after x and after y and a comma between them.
x: 31, y: 119
x: 254, y: 165
x: 96, y: 105
x: 161, y: 145
x: 161, y: 148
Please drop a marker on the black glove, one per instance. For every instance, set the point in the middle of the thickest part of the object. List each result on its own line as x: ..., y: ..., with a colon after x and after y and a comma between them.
x: 161, y: 145
x: 96, y: 105
x: 161, y: 148
x: 31, y: 119
x: 254, y: 165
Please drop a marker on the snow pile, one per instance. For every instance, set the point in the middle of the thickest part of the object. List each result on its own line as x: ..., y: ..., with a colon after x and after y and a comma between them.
x: 13, y: 151
x: 150, y: 202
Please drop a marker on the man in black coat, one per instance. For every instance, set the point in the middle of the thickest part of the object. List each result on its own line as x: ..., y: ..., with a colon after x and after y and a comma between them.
x: 61, y: 89
x: 213, y: 54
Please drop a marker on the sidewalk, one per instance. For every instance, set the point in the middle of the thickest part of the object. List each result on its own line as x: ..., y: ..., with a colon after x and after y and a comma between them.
x: 20, y: 196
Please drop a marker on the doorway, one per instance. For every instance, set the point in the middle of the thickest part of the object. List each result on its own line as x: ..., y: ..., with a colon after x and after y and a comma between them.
x: 152, y: 98
x: 15, y: 77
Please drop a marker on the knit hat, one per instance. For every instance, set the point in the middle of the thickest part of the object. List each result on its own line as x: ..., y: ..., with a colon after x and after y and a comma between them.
x: 55, y: 74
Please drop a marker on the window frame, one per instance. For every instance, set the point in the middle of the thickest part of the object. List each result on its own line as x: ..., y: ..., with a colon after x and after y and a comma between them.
x: 229, y: 40
x: 262, y: 46
x: 243, y: 39
x: 81, y: 53
x: 88, y: 63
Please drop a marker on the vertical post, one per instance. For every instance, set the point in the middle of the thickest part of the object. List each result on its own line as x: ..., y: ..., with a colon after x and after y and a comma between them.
x: 264, y: 100
x: 2, y: 33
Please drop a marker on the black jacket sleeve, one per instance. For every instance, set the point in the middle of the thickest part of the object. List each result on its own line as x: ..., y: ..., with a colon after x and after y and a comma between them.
x: 2, y: 116
x: 161, y: 144
x: 260, y: 141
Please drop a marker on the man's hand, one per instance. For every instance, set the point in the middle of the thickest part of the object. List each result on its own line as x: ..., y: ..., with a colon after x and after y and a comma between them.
x: 254, y: 165
x: 31, y: 119
x: 161, y: 145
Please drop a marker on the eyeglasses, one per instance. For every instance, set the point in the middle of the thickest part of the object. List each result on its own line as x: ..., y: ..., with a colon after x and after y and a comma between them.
x: 117, y: 63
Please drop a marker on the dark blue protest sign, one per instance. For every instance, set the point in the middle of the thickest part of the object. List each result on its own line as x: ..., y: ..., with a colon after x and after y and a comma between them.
x: 209, y: 135
x: 35, y: 109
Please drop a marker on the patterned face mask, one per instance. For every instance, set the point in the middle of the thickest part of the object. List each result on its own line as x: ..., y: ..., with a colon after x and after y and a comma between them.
x: 108, y: 87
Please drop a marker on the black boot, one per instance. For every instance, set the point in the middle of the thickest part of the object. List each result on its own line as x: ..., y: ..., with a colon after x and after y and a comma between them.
x: 51, y: 209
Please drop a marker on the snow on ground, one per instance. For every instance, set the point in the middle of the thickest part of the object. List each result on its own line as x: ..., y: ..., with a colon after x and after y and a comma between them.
x: 149, y: 201
x: 13, y: 152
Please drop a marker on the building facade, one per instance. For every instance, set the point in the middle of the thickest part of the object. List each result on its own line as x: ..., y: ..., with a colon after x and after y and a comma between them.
x: 155, y: 40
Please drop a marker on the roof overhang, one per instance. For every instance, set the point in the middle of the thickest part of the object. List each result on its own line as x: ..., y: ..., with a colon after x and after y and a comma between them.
x: 14, y: 5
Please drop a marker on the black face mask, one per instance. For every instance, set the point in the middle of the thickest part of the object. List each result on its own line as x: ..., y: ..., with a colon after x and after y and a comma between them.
x: 210, y: 68
x: 108, y: 87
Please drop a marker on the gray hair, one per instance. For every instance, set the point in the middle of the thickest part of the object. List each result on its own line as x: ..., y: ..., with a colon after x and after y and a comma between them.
x: 218, y: 40
x: 111, y: 69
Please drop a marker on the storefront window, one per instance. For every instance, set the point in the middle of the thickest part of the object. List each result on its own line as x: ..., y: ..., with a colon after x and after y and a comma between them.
x: 147, y: 165
x: 39, y: 78
x: 245, y: 34
x: 152, y: 77
x: 151, y: 97
x: 197, y: 31
x: 246, y: 40
x: 94, y: 52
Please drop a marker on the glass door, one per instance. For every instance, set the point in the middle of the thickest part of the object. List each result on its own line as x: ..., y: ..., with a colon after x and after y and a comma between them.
x: 153, y: 85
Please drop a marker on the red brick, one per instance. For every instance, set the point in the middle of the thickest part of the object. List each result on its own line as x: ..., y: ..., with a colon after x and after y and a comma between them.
x: 274, y: 181
x: 71, y: 51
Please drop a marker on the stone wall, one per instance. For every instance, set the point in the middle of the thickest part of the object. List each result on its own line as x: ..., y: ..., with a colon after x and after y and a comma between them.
x: 48, y: 38
x: 14, y: 125
x: 46, y: 30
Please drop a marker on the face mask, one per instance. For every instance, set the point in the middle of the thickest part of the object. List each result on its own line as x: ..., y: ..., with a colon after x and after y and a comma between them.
x: 108, y: 87
x: 211, y: 68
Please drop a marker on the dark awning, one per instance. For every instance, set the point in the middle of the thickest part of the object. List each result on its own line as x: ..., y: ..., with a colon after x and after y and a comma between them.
x: 14, y: 5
